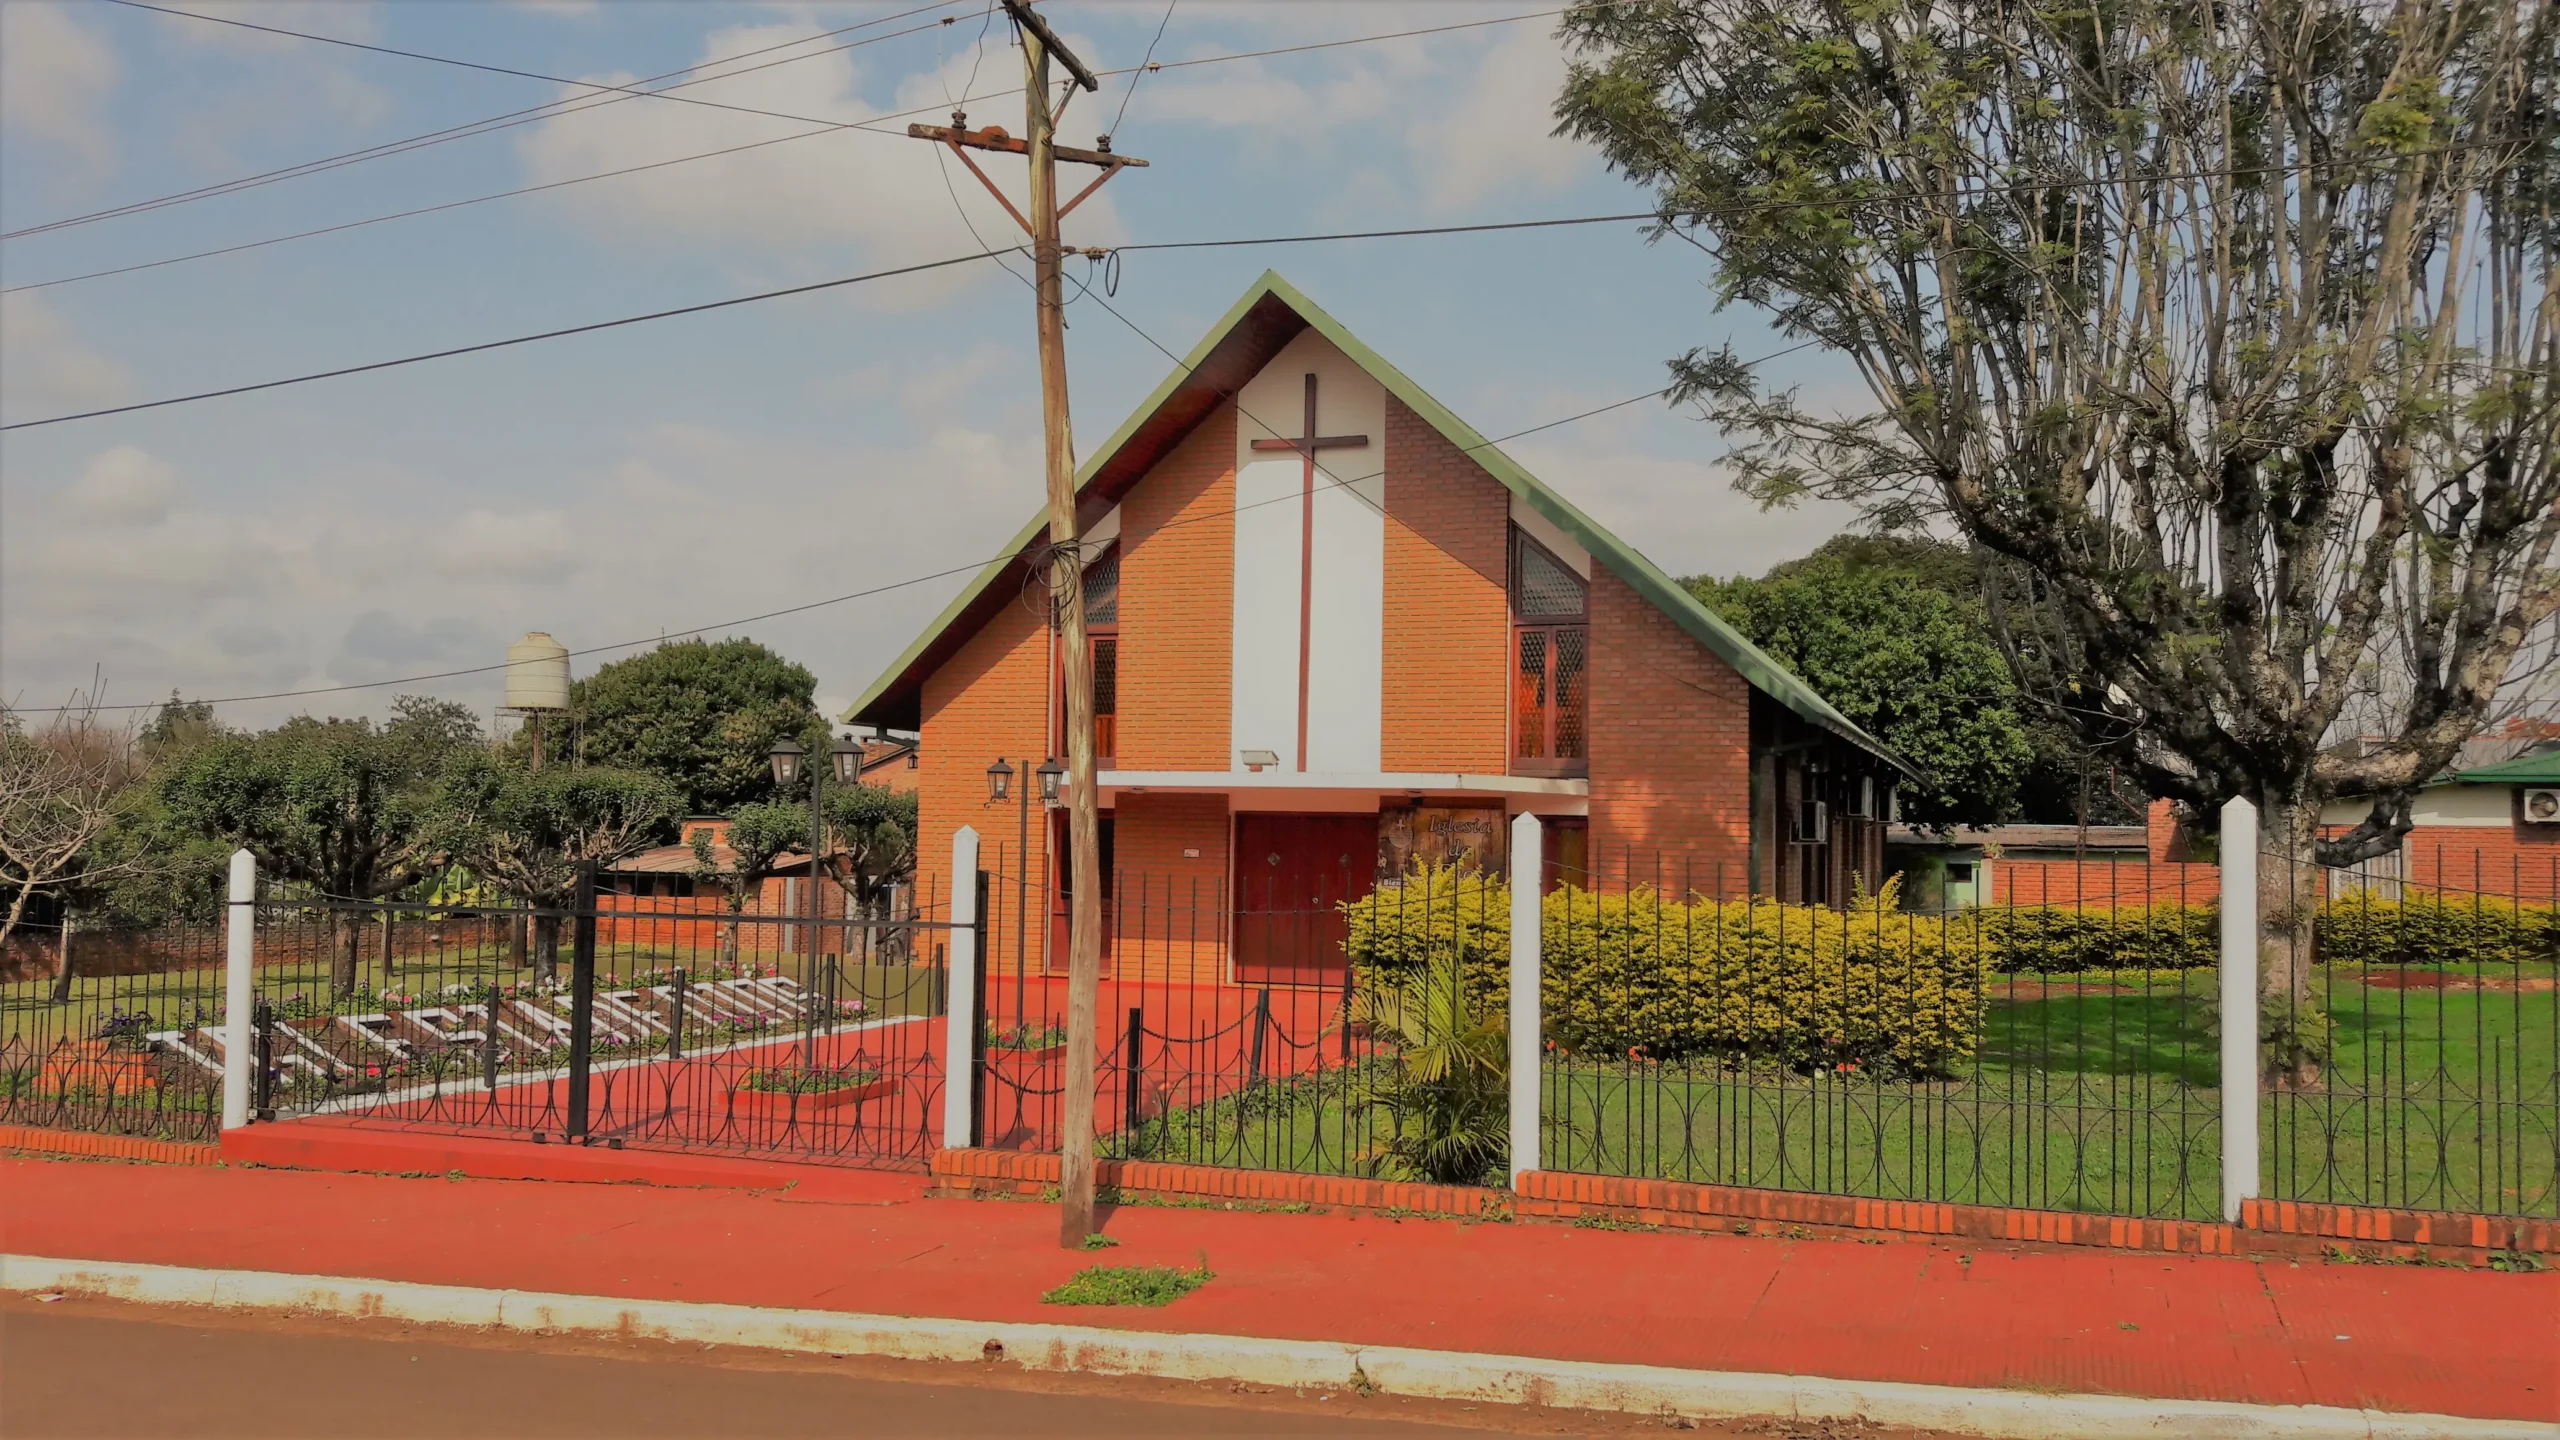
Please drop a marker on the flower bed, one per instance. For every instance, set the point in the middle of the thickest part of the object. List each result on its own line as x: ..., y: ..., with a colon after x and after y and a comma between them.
x: 768, y: 1088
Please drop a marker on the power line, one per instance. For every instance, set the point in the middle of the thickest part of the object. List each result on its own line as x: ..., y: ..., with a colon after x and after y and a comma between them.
x: 568, y: 107
x: 1146, y: 63
x: 516, y: 340
x: 506, y: 121
x: 632, y: 90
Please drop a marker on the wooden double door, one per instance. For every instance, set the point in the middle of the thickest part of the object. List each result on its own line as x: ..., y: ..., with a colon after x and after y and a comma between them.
x: 1293, y: 873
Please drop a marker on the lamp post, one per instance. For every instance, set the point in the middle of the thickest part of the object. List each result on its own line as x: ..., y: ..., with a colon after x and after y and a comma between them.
x: 789, y: 758
x: 1000, y: 788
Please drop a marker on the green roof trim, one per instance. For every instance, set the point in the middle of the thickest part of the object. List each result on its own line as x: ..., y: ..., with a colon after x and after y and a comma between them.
x: 2542, y: 769
x: 1640, y: 574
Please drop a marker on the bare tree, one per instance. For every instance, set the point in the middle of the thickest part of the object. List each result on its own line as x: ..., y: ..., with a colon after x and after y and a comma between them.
x: 2230, y: 325
x: 62, y: 783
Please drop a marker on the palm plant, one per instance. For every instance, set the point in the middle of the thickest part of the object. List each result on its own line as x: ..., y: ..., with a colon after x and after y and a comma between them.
x: 1446, y: 1088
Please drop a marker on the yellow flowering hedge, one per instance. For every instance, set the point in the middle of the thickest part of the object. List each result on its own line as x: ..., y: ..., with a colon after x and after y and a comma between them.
x: 2425, y: 929
x: 1639, y: 974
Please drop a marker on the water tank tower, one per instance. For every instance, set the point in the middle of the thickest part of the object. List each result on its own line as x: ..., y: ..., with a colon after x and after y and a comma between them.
x: 537, y: 683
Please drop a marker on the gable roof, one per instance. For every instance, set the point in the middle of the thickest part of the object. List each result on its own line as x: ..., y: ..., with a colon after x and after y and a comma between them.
x: 1271, y: 313
x: 2537, y: 769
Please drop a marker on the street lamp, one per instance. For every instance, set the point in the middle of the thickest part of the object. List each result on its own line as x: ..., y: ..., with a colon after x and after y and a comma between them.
x: 999, y: 782
x: 847, y: 757
x: 1051, y: 772
x: 787, y: 757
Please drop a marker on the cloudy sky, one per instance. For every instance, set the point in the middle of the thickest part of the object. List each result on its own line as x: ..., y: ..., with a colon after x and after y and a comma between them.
x: 659, y: 478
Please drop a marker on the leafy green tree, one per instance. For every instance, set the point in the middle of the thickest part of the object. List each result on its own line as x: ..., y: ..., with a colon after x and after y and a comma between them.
x: 526, y: 832
x: 345, y: 807
x: 871, y: 834
x: 1854, y: 613
x: 154, y: 868
x: 759, y: 835
x: 703, y: 713
x: 2230, y: 326
x: 1912, y: 664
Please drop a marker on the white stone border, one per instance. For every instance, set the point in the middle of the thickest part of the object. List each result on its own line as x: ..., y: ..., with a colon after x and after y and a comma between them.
x: 1434, y: 1374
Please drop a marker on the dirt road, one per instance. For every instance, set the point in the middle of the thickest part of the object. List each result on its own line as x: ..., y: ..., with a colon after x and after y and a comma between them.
x: 83, y: 1367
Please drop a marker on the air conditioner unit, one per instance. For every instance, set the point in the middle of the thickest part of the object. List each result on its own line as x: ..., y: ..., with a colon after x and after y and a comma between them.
x: 1813, y: 824
x: 2542, y: 805
x: 1862, y: 805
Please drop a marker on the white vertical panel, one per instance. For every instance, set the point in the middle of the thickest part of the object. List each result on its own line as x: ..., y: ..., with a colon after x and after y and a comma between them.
x: 1348, y: 600
x: 1264, y: 693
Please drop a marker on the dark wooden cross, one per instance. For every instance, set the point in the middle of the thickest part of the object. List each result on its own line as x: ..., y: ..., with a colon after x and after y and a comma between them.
x: 1307, y: 444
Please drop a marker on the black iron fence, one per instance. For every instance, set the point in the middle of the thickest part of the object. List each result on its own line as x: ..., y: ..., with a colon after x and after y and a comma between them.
x: 84, y: 1021
x: 1230, y: 1030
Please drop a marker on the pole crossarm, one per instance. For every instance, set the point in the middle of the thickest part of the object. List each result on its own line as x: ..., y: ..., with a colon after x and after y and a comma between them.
x: 996, y: 137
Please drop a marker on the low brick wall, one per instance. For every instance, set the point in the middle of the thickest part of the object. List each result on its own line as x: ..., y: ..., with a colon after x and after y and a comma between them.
x: 37, y: 1140
x: 1008, y: 1172
x: 2280, y: 1227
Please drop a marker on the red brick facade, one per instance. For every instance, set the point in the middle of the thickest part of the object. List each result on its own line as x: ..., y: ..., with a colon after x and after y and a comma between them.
x: 990, y: 702
x: 1448, y: 606
x: 1670, y: 743
x: 1177, y: 567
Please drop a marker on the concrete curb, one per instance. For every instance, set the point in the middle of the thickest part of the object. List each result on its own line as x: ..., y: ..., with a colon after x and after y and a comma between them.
x: 1441, y: 1375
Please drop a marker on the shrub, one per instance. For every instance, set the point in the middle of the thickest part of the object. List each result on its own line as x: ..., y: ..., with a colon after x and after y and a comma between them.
x: 1645, y: 975
x: 1445, y: 1088
x: 2055, y: 940
x: 2363, y: 931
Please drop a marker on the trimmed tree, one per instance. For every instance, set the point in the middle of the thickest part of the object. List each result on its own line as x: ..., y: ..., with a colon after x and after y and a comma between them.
x: 2231, y: 327
x: 703, y: 713
x: 345, y: 807
x: 527, y: 832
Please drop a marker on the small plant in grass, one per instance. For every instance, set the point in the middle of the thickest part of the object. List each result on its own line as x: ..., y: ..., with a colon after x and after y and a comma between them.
x: 1129, y: 1285
x: 1099, y: 1242
x: 778, y: 1080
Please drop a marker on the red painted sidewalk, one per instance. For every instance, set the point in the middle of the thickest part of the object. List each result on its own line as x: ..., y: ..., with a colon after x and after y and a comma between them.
x: 2470, y: 1343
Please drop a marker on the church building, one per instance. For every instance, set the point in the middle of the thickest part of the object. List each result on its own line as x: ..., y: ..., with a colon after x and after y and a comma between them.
x: 1335, y: 632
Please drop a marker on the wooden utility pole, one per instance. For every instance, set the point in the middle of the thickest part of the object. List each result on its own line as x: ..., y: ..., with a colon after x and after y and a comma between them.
x: 1066, y: 585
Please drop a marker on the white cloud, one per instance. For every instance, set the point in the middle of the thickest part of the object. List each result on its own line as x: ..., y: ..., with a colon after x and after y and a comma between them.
x: 485, y: 545
x: 55, y: 76
x: 342, y: 20
x: 49, y: 371
x: 828, y: 201
x: 125, y: 486
x: 1496, y: 139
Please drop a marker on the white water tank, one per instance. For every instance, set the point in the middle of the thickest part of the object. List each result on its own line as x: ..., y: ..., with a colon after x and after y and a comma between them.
x: 537, y: 674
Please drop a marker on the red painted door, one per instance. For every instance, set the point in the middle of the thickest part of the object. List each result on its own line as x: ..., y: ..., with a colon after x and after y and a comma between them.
x: 1292, y: 874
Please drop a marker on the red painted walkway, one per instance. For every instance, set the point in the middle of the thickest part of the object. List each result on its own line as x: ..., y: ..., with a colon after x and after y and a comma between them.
x: 2462, y: 1342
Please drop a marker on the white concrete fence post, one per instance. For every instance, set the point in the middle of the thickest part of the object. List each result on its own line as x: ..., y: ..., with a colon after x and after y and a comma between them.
x: 1528, y: 868
x: 2239, y: 978
x: 239, y: 990
x: 960, y: 1008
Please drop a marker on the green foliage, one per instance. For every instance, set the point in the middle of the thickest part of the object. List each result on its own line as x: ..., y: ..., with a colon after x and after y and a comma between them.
x: 1445, y: 1087
x: 874, y: 829
x: 2057, y: 940
x: 788, y: 1080
x: 1649, y: 976
x: 344, y: 806
x: 1128, y: 1285
x: 1905, y: 657
x: 527, y: 831
x: 1639, y: 973
x: 702, y: 713
x: 2361, y: 931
